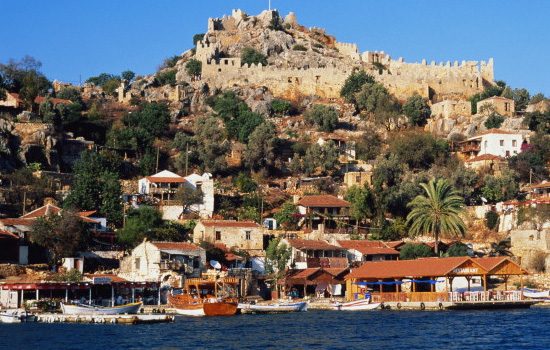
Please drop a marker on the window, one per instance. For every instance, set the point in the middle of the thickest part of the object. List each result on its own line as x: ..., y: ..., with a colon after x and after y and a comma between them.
x: 506, y: 106
x: 218, y: 235
x: 137, y: 263
x: 514, y: 143
x: 248, y: 234
x: 502, y: 142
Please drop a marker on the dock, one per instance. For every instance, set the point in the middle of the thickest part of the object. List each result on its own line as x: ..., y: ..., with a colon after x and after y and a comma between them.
x: 459, y: 305
x: 109, y: 319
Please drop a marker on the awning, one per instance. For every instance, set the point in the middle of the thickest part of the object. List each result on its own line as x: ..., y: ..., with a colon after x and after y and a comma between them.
x: 180, y: 252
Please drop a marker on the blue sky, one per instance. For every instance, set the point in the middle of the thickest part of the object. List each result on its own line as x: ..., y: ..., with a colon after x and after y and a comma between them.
x: 86, y: 38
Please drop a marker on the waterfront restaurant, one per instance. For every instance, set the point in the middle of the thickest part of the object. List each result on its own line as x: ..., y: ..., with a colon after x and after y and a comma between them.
x: 431, y: 279
x: 95, y: 290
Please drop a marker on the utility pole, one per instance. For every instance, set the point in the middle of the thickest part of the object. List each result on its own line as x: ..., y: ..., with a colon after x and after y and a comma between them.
x: 158, y: 153
x: 186, y: 157
x: 530, y: 176
x: 269, y: 5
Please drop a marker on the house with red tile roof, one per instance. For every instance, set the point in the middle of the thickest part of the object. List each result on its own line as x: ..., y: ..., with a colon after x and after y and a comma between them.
x: 500, y: 105
x: 305, y: 252
x: 241, y: 235
x: 13, y: 100
x: 494, y: 142
x: 318, y: 281
x: 323, y: 209
x: 362, y: 250
x: 167, y: 263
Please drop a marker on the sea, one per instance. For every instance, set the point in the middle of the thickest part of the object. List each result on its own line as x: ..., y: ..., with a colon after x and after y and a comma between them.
x: 378, y: 329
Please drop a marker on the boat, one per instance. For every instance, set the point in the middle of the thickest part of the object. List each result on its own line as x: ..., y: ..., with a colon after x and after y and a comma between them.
x: 16, y: 316
x: 357, y: 305
x: 272, y: 308
x: 82, y: 309
x: 207, y: 296
x: 533, y: 294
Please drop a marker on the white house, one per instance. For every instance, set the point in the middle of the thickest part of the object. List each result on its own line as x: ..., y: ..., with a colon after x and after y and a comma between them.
x: 167, y: 263
x: 496, y: 142
x: 162, y: 187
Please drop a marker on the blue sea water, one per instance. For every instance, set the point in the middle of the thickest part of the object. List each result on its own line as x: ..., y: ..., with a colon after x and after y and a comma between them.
x: 380, y: 329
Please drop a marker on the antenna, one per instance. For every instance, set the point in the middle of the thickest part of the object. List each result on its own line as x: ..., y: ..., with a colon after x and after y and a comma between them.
x: 269, y: 5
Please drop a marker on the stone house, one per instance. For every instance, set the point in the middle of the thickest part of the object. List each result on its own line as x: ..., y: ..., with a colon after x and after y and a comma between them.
x: 358, y: 178
x: 497, y: 142
x: 163, y: 186
x: 451, y: 109
x: 323, y: 209
x: 14, y: 101
x: 243, y: 235
x: 538, y: 192
x: 168, y: 263
x: 500, y: 105
x: 494, y: 164
x: 361, y: 250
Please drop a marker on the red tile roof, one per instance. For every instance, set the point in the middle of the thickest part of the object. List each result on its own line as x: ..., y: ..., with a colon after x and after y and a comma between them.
x: 15, y: 221
x: 323, y: 201
x: 541, y: 185
x: 394, y: 244
x: 7, y: 234
x: 485, y: 157
x: 165, y: 179
x: 426, y: 267
x: 492, y: 131
x: 46, y: 210
x: 175, y: 245
x: 305, y: 273
x: 304, y: 244
x: 490, y: 263
x: 369, y: 247
x: 496, y: 98
x: 86, y: 213
x: 40, y: 99
x: 230, y: 223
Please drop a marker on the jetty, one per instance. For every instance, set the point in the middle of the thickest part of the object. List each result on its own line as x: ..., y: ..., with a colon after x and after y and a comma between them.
x: 112, y: 319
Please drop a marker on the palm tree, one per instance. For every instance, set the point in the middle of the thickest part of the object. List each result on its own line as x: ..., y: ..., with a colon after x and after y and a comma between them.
x: 438, y: 212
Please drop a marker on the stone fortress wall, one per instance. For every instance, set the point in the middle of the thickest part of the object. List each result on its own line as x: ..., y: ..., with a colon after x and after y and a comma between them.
x: 434, y: 81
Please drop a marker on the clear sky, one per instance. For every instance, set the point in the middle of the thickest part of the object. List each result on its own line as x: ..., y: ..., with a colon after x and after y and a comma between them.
x: 86, y: 38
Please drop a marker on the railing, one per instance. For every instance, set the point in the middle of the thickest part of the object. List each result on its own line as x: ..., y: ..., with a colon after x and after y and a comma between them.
x: 403, y: 297
x: 507, y: 295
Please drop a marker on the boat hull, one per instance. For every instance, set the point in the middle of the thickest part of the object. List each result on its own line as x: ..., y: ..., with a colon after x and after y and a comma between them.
x: 207, y: 309
x: 357, y: 305
x: 87, y: 310
x: 16, y: 316
x: 273, y: 308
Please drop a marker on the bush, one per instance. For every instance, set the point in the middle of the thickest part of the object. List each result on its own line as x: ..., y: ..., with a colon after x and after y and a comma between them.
x: 299, y: 47
x: 193, y: 67
x: 458, y: 249
x: 416, y: 109
x: 491, y: 220
x: 250, y: 56
x: 494, y: 121
x: 110, y: 86
x: 411, y: 251
x: 275, y: 23
x: 317, y: 45
x: 538, y: 262
x: 323, y: 116
x: 166, y: 78
x: 280, y: 107
x: 197, y: 38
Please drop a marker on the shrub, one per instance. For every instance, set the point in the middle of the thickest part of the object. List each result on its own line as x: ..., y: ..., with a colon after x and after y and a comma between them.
x: 299, y: 47
x: 323, y: 116
x: 412, y: 251
x: 458, y: 249
x: 280, y: 107
x: 317, y: 45
x: 250, y: 56
x: 197, y: 38
x: 494, y: 121
x: 193, y: 67
x: 166, y: 78
x: 491, y: 220
x: 275, y: 23
x: 538, y: 261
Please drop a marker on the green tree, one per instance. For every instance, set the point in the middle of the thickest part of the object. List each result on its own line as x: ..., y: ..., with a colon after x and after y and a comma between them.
x: 417, y: 110
x: 465, y: 181
x: 362, y: 203
x: 188, y: 196
x: 494, y: 121
x: 275, y: 23
x: 69, y: 93
x: 277, y: 257
x: 457, y: 249
x: 211, y: 150
x: 368, y: 146
x: 251, y: 56
x: 197, y: 38
x: 354, y: 83
x: 287, y: 216
x: 167, y: 77
x: 23, y: 76
x: 372, y: 97
x: 96, y: 186
x: 62, y: 234
x: 538, y: 97
x: 102, y: 79
x: 111, y: 86
x: 499, y: 188
x: 128, y: 75
x: 244, y: 183
x: 193, y: 67
x: 260, y: 151
x: 438, y: 212
x: 323, y: 116
x: 280, y: 107
x: 521, y: 99
x: 419, y: 150
x: 411, y: 251
x: 491, y: 220
x: 48, y: 113
x: 388, y: 172
x: 139, y: 224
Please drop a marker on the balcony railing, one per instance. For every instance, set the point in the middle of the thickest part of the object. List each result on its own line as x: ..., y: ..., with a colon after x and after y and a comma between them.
x: 445, y: 296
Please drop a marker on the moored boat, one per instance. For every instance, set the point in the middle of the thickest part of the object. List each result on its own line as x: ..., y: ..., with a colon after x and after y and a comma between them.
x: 533, y: 294
x: 82, y: 309
x: 207, y: 296
x: 357, y: 305
x: 16, y: 316
x: 273, y: 308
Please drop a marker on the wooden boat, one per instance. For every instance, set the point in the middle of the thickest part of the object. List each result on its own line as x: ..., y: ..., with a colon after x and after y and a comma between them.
x: 273, y: 308
x: 82, y: 309
x: 357, y: 305
x: 16, y: 316
x: 533, y: 294
x: 207, y: 296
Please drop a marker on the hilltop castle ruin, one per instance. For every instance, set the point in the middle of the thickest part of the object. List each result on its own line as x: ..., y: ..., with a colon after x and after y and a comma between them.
x: 434, y: 81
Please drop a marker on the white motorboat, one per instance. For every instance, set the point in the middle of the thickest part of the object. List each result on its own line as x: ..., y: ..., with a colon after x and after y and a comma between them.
x: 357, y: 305
x: 16, y: 316
x: 273, y: 308
x: 82, y: 309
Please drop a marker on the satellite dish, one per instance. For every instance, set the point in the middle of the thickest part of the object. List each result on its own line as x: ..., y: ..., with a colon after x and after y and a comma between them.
x: 483, y: 200
x: 215, y: 264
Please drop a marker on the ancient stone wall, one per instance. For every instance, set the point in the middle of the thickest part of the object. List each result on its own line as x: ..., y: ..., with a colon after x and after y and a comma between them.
x: 451, y: 109
x: 349, y: 50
